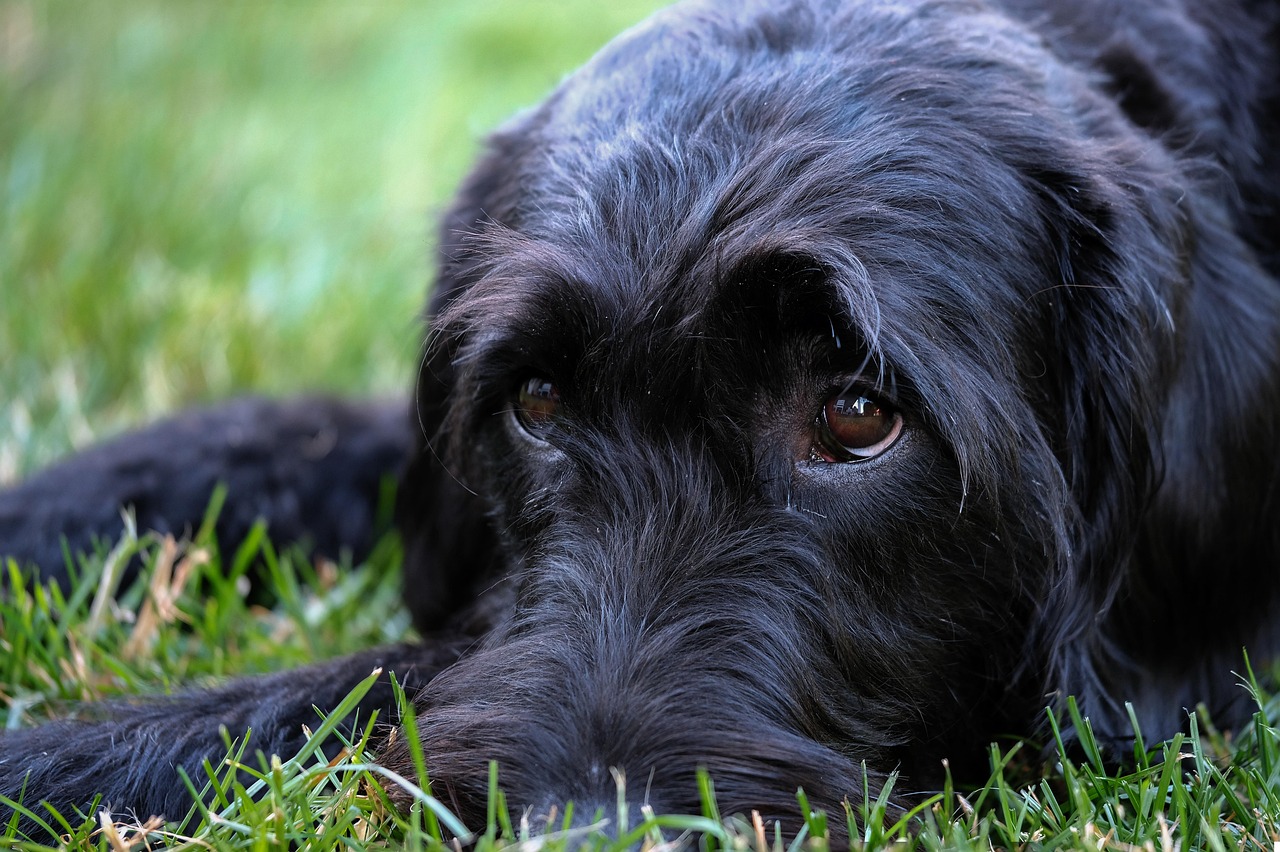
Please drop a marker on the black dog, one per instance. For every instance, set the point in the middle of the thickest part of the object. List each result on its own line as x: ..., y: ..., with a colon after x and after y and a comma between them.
x: 814, y: 383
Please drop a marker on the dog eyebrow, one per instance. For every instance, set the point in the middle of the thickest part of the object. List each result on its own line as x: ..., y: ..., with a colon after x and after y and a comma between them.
x: 538, y: 307
x: 806, y: 281
x: 515, y: 272
x: 535, y: 308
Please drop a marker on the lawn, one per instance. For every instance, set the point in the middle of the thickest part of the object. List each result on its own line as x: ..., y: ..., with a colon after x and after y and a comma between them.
x: 198, y: 200
x: 205, y: 199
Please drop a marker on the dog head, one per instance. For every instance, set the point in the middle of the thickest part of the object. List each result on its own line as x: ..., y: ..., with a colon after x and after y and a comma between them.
x: 796, y: 387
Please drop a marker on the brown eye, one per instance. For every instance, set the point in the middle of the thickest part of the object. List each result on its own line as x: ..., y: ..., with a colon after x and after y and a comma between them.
x: 853, y: 426
x: 536, y: 403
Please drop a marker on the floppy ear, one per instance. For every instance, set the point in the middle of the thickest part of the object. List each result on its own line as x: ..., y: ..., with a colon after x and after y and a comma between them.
x: 1168, y: 351
x: 1108, y: 342
x: 450, y: 544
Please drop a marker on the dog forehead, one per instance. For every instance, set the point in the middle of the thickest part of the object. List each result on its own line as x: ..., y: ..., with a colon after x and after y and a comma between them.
x: 824, y: 67
x: 712, y: 135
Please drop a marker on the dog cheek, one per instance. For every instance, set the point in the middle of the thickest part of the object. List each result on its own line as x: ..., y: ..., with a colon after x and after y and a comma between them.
x: 923, y: 578
x: 518, y: 482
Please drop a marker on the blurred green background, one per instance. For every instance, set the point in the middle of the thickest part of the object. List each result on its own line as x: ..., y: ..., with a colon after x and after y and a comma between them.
x: 199, y: 199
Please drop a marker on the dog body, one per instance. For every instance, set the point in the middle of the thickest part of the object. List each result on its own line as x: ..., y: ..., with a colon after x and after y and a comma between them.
x: 814, y: 384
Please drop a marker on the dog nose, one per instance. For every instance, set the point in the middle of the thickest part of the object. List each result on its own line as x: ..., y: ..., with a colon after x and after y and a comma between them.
x: 593, y: 815
x: 600, y: 816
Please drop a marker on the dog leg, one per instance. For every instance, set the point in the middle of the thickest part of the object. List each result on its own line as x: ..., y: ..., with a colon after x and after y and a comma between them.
x: 135, y: 751
x: 312, y: 468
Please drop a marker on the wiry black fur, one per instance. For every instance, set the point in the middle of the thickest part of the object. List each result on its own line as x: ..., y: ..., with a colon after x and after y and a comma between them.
x: 1047, y: 233
x: 131, y: 753
x: 314, y: 467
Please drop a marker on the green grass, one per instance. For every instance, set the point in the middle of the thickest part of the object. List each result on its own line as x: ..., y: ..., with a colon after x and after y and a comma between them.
x: 202, y: 199
x: 186, y: 619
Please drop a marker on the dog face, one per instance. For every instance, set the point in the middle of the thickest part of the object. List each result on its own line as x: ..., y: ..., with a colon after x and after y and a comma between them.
x: 798, y: 383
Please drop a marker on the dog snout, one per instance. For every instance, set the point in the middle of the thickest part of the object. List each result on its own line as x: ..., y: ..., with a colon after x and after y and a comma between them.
x: 667, y: 618
x: 652, y: 662
x: 613, y: 718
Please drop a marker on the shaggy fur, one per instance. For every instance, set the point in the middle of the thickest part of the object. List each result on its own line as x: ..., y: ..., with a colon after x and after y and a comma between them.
x: 1043, y: 234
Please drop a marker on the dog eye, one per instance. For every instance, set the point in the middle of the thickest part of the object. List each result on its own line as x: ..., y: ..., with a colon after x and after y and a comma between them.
x: 853, y: 427
x: 536, y: 403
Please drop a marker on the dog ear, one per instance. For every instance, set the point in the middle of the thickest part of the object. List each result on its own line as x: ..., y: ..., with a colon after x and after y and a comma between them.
x: 450, y: 544
x: 1164, y: 487
x: 1107, y: 338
